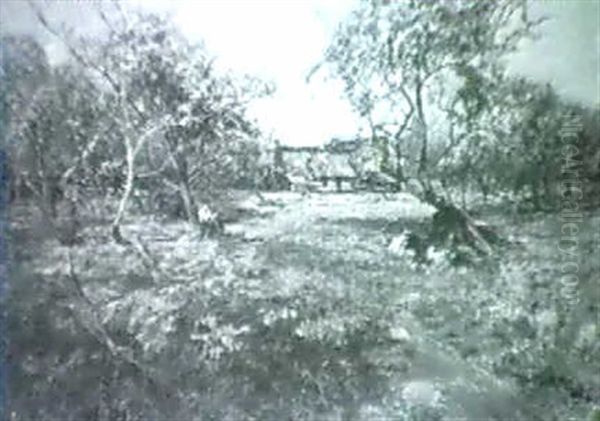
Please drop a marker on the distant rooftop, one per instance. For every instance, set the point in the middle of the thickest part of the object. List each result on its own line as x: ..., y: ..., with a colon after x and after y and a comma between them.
x: 335, y: 145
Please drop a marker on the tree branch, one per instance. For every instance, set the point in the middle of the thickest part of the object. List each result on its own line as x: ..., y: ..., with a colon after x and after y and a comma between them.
x: 80, y: 57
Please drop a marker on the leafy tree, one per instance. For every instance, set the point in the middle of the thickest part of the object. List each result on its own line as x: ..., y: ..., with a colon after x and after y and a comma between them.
x: 426, y: 71
x: 525, y: 155
x: 167, y: 102
x: 56, y: 119
x: 23, y: 70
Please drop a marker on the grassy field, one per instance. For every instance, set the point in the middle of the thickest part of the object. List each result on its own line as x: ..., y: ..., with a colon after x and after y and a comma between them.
x: 305, y: 310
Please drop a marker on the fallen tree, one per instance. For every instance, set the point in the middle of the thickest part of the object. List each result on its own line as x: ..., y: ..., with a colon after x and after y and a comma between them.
x: 450, y: 229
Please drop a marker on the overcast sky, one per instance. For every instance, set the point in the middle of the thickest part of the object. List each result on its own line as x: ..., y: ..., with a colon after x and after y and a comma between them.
x: 281, y: 40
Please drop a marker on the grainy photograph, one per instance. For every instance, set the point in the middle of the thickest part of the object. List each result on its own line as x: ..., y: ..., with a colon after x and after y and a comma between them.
x: 329, y: 210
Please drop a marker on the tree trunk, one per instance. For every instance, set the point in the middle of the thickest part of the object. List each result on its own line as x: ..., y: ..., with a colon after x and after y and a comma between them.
x: 483, y: 187
x: 116, y: 225
x: 188, y: 202
x: 452, y: 228
x: 399, y: 169
x: 48, y: 204
x: 423, y: 157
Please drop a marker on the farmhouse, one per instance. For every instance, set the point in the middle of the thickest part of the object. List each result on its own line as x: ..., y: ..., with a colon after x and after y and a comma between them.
x: 343, y: 163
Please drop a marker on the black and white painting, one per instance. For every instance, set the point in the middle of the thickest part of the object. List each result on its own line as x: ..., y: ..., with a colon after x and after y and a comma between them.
x: 300, y: 210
